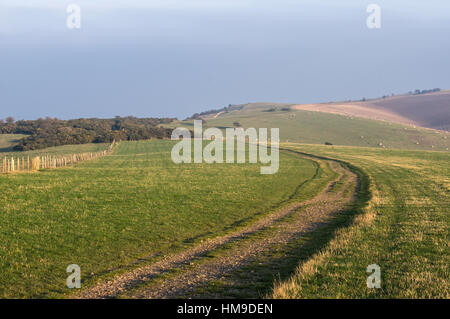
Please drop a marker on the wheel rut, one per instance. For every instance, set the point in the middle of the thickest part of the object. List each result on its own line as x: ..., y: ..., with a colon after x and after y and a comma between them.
x: 239, y: 247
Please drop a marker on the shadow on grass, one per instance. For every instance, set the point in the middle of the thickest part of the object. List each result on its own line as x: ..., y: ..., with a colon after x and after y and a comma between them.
x: 256, y: 279
x: 9, y: 149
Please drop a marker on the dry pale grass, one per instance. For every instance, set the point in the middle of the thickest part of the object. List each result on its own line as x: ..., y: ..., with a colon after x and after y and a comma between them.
x: 426, y: 110
x: 289, y: 289
x: 404, y: 229
x: 356, y: 110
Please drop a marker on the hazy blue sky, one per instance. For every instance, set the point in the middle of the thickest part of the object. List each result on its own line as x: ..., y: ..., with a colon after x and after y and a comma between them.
x: 175, y: 58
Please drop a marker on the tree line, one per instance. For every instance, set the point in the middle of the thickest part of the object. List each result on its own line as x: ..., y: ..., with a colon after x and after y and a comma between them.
x: 417, y: 92
x: 48, y: 132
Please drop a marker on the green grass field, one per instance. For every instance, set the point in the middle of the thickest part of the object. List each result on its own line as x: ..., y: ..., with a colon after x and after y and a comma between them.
x: 405, y: 230
x: 58, y: 150
x: 317, y: 128
x: 136, y: 206
x: 109, y: 214
x: 7, y: 141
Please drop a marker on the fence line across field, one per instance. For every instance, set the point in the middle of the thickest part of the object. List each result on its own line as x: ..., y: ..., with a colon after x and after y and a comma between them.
x: 34, y: 163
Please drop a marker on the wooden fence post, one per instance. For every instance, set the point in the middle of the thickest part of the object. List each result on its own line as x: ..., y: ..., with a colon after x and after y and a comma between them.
x: 35, y: 163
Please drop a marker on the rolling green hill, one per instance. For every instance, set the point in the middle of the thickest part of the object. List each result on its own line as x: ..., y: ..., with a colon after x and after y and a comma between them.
x: 8, y: 141
x: 58, y: 150
x: 134, y: 206
x: 317, y: 128
x: 404, y: 230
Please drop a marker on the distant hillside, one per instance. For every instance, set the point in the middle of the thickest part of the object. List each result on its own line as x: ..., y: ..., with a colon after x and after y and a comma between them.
x: 427, y: 110
x: 320, y: 128
x: 8, y: 141
x: 219, y: 112
x: 215, y: 112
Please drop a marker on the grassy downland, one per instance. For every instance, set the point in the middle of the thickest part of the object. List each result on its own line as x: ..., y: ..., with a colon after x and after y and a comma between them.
x: 109, y: 214
x: 58, y: 150
x: 317, y: 128
x: 7, y: 141
x: 404, y: 230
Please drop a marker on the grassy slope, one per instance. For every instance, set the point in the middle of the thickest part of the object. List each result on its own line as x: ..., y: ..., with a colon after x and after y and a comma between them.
x: 318, y: 128
x: 405, y: 231
x: 107, y: 213
x: 7, y: 141
x: 429, y: 110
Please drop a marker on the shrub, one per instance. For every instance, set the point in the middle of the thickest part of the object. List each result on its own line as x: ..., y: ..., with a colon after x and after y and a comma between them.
x: 49, y: 132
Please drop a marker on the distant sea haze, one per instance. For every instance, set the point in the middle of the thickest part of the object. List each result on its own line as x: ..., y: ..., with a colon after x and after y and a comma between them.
x: 176, y: 58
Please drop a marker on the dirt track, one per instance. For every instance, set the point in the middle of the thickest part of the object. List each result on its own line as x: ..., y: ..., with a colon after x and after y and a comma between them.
x: 240, y: 248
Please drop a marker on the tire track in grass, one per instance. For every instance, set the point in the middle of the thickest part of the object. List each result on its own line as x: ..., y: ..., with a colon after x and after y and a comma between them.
x: 315, y: 212
x: 305, y: 219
